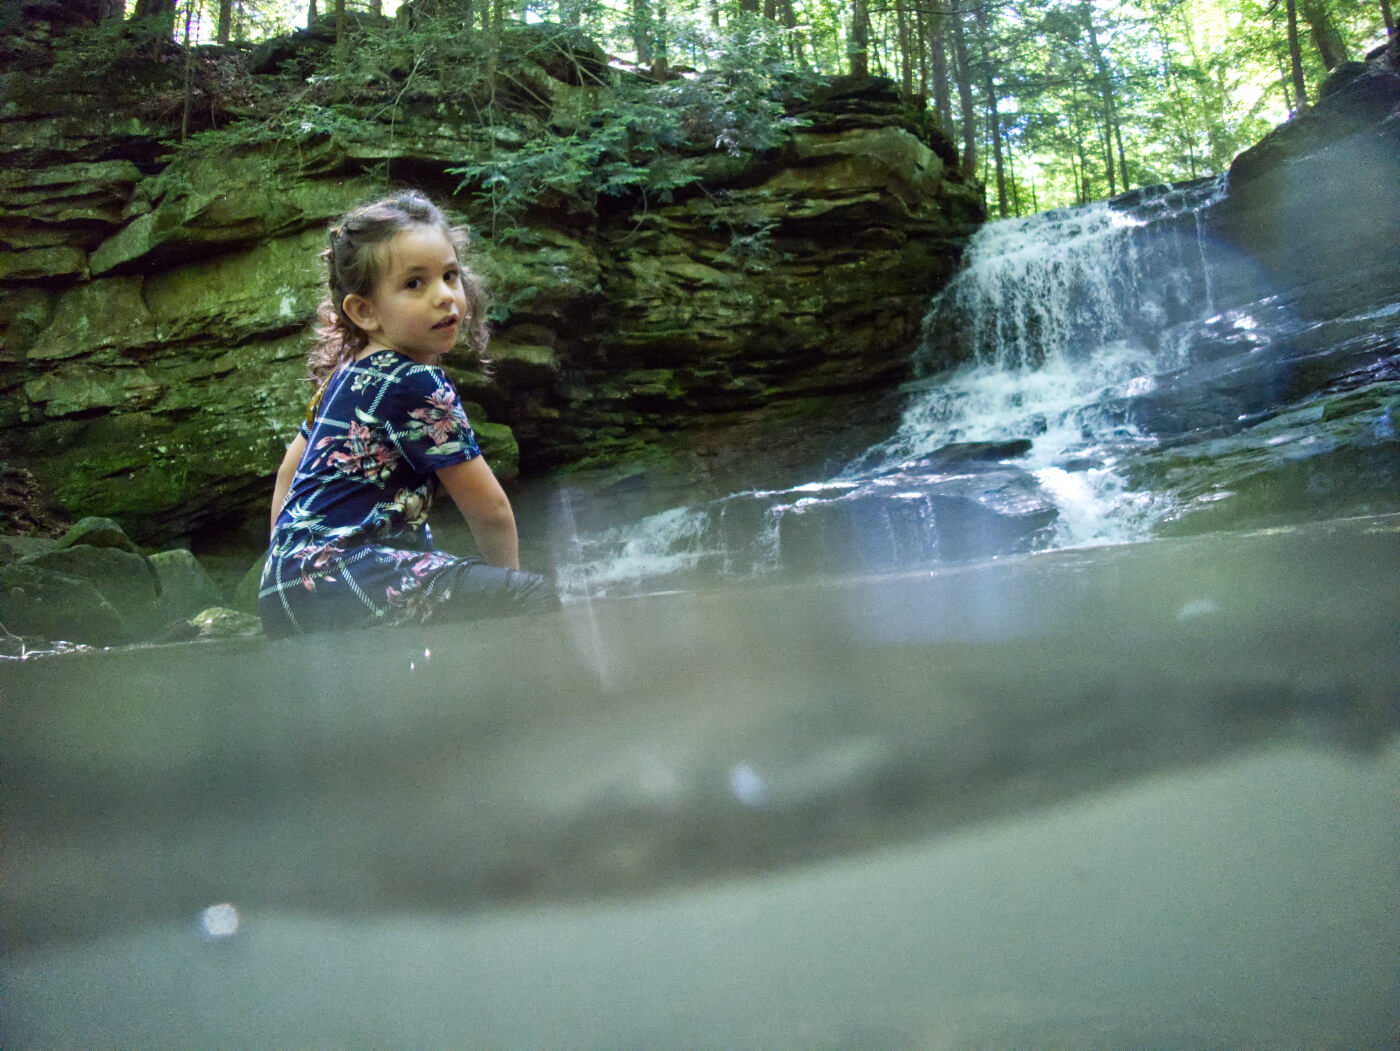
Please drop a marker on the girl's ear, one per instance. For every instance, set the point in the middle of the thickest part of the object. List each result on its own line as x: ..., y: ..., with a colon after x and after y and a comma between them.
x: 361, y: 312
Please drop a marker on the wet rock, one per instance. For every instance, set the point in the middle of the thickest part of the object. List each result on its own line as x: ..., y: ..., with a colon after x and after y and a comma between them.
x: 1332, y: 456
x: 221, y: 623
x: 910, y: 519
x: 1314, y: 200
x: 185, y: 586
x: 126, y: 581
x: 245, y: 596
x: 98, y: 532
x: 17, y: 548
x: 42, y: 604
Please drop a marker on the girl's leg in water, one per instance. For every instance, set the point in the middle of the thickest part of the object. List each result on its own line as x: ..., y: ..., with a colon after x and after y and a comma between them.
x: 470, y: 588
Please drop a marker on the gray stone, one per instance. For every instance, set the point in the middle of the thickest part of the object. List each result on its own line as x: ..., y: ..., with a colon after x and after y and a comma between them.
x: 38, y: 603
x: 222, y: 623
x: 245, y: 596
x: 123, y: 579
x: 15, y: 548
x: 185, y: 586
x: 97, y: 532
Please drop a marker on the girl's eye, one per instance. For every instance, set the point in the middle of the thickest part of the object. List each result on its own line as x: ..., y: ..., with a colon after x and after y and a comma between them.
x: 450, y: 277
x: 412, y: 282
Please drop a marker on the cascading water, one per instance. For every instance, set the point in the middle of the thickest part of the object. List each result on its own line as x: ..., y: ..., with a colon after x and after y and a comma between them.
x: 1056, y: 317
x: 1070, y: 344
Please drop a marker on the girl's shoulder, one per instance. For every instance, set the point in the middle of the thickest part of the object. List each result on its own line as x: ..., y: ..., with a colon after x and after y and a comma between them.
x: 389, y: 382
x: 390, y: 366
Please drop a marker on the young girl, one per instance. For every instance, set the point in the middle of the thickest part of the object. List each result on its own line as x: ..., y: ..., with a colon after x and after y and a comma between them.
x: 350, y: 542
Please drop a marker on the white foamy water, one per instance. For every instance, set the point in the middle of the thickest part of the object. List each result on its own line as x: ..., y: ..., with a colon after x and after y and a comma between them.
x: 660, y: 546
x: 1059, y: 315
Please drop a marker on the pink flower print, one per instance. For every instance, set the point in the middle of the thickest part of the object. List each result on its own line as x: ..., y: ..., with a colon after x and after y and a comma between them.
x: 314, y: 562
x: 441, y: 419
x: 365, y: 456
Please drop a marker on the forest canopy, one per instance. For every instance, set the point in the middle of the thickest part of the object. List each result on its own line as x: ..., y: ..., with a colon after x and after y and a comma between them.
x: 1051, y: 102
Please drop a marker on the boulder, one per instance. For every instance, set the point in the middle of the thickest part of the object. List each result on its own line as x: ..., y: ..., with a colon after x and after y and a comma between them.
x: 97, y: 532
x: 1293, y: 193
x: 126, y: 581
x: 245, y: 596
x: 42, y: 604
x: 185, y: 586
x: 221, y: 623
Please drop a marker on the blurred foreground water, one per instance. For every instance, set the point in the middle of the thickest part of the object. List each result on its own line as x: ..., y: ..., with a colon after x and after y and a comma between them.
x: 1142, y: 794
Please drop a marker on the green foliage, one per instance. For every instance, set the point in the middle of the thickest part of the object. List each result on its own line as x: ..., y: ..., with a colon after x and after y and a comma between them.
x: 94, y: 54
x: 639, y: 138
x: 751, y: 246
x: 625, y: 148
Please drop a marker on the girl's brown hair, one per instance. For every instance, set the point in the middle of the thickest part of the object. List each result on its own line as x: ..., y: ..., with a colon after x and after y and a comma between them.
x: 355, y: 260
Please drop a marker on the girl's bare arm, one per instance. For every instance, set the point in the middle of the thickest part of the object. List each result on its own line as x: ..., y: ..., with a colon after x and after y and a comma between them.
x: 285, y: 473
x: 486, y: 508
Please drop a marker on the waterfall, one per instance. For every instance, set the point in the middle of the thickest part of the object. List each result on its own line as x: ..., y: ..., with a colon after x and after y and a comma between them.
x: 1037, y: 367
x: 1056, y: 318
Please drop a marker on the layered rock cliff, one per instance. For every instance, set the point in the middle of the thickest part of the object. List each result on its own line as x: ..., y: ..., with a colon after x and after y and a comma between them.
x: 156, y: 299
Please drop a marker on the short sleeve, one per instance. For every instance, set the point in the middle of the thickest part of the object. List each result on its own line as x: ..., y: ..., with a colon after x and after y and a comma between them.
x: 429, y: 425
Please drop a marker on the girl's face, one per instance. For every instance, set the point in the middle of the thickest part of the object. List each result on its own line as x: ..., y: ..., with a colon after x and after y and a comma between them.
x: 418, y: 305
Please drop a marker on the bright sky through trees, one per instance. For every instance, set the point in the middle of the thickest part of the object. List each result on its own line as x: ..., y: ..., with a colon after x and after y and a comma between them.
x: 1051, y: 102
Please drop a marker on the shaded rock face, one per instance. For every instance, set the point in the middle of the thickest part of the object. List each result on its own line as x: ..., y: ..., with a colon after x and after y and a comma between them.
x: 1315, y: 201
x: 154, y: 313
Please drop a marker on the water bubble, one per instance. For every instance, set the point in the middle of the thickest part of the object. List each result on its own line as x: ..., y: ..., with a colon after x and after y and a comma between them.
x: 219, y: 921
x: 1197, y: 608
x: 748, y: 787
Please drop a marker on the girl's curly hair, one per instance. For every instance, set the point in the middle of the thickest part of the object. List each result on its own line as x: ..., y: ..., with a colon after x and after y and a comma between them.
x: 355, y: 259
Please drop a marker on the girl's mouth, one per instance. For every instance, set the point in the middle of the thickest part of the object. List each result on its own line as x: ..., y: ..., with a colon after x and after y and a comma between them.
x: 447, y: 322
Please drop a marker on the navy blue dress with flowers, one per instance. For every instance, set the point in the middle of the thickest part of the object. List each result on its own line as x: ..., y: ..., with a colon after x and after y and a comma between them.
x: 351, y: 545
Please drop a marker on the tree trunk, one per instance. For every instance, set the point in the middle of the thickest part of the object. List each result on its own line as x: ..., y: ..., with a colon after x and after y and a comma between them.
x: 1389, y: 20
x: 964, y: 75
x: 1295, y: 58
x: 641, y: 31
x: 164, y: 10
x: 660, y: 61
x: 1105, y: 80
x: 858, y: 50
x: 1325, y: 34
x: 311, y: 13
x: 906, y: 50
x: 1122, y: 157
x: 794, y: 41
x: 1011, y: 181
x: 189, y: 73
x: 994, y: 133
x: 984, y: 40
x: 342, y: 46
x: 938, y: 72
x: 154, y: 8
x: 225, y: 20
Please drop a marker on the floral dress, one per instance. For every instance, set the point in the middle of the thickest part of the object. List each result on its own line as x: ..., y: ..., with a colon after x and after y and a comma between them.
x: 351, y: 545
